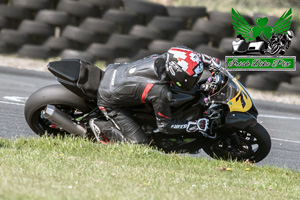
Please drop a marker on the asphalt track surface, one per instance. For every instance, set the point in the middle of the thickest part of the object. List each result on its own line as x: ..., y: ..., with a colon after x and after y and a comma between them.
x: 281, y: 120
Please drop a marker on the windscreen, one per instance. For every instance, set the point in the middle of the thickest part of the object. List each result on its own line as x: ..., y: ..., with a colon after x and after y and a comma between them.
x: 229, y: 90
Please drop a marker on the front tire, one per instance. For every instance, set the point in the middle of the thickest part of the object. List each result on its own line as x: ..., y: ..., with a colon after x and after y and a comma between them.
x: 254, y: 145
x: 275, y: 49
x: 58, y: 96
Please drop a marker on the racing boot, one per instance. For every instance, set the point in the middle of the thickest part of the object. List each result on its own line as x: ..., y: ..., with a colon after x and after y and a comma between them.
x: 105, y: 131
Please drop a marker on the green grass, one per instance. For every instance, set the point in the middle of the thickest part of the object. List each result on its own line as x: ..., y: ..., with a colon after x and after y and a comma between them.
x: 46, y: 168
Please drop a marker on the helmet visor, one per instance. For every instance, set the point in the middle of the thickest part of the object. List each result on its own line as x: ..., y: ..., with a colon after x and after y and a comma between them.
x: 187, y: 82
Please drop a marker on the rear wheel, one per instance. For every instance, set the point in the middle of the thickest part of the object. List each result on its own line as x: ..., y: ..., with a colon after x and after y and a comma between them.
x: 42, y: 126
x: 252, y: 144
x: 55, y: 95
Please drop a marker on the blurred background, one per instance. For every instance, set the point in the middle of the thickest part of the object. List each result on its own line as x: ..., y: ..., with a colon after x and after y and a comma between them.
x: 105, y: 31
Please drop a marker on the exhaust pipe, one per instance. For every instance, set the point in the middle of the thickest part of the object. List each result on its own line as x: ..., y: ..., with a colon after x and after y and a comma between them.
x: 62, y: 120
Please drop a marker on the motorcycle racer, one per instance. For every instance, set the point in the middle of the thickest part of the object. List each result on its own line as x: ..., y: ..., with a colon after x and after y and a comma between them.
x: 280, y: 42
x: 149, y: 81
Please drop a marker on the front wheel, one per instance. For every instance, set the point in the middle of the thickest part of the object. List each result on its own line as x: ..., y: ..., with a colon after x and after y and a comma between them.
x: 252, y: 144
x: 275, y: 49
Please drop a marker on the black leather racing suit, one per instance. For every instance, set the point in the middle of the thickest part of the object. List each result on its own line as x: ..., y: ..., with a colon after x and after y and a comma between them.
x: 132, y: 84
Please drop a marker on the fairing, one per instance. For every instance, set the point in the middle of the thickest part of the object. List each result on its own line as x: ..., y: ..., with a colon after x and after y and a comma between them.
x: 234, y: 95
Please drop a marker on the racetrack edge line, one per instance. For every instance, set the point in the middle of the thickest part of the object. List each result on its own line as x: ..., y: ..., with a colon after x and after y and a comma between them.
x: 12, y: 103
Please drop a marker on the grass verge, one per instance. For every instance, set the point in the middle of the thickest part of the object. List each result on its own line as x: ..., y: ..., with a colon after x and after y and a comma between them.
x: 47, y: 168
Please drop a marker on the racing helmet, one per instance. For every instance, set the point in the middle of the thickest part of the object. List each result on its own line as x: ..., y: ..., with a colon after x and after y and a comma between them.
x: 184, y: 67
x: 290, y: 34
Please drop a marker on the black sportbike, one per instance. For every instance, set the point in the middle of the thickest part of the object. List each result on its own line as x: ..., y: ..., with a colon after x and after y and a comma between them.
x: 234, y: 133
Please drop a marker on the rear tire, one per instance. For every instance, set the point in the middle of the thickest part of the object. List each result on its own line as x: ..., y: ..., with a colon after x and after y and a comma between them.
x: 255, y: 145
x: 55, y: 95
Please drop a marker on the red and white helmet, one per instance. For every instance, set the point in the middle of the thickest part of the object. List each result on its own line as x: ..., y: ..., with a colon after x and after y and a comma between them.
x: 184, y: 66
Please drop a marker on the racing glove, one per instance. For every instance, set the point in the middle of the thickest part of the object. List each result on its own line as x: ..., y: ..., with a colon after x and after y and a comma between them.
x: 201, y: 125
